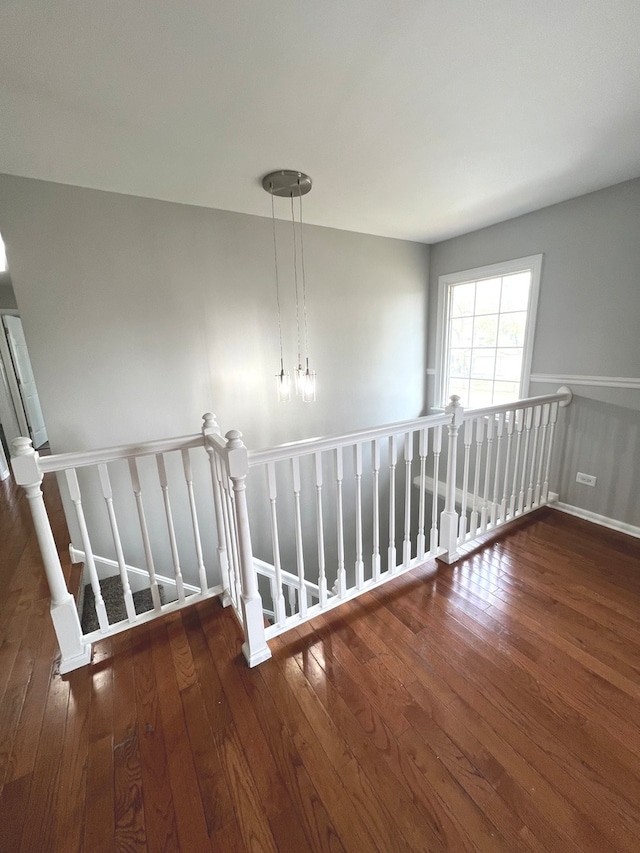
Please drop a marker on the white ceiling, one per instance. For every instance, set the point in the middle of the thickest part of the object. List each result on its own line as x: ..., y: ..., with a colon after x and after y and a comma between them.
x: 418, y: 119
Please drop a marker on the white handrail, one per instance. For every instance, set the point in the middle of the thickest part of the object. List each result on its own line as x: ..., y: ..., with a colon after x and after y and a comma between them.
x: 82, y: 458
x: 562, y: 395
x: 331, y: 442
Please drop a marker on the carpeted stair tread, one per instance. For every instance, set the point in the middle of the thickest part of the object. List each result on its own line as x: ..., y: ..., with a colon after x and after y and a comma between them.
x: 113, y: 596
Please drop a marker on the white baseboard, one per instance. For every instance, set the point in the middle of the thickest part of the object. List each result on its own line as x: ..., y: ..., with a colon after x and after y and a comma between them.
x: 602, y: 520
x: 138, y: 578
x: 267, y: 570
x: 442, y: 492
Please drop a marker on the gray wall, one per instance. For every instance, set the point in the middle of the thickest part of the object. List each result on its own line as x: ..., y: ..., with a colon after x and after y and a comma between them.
x: 7, y: 296
x: 588, y: 324
x: 140, y: 315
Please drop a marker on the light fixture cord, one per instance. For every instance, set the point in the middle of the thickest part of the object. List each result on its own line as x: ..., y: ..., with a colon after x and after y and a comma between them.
x: 304, y: 285
x: 295, y: 274
x: 275, y: 258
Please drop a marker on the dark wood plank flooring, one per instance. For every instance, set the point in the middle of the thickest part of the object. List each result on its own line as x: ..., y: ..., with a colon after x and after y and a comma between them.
x: 488, y: 706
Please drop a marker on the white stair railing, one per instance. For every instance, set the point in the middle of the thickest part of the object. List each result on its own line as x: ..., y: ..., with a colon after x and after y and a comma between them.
x: 509, y: 449
x: 476, y: 498
x: 105, y: 483
x: 330, y: 516
x: 366, y: 525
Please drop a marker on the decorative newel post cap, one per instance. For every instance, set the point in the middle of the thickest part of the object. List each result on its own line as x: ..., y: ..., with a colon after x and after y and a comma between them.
x: 237, y: 455
x: 454, y: 408
x: 25, y: 462
x: 210, y: 424
x: 234, y: 438
x: 22, y: 446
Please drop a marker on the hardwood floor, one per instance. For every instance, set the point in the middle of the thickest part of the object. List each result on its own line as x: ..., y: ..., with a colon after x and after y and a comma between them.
x: 490, y: 706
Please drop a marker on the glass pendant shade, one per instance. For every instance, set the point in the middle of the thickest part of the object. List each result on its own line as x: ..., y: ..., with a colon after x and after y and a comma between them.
x: 309, y: 386
x: 283, y: 386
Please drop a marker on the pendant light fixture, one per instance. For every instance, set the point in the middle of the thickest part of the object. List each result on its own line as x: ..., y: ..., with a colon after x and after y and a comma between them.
x: 283, y: 380
x: 290, y: 184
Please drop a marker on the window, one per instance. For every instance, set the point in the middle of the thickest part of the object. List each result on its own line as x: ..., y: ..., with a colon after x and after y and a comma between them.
x: 485, y: 332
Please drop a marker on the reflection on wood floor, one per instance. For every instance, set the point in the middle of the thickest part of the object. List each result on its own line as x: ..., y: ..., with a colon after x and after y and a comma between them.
x: 491, y: 705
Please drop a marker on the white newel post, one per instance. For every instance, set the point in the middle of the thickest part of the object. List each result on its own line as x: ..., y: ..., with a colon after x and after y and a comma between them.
x: 255, y: 648
x: 210, y: 427
x: 449, y: 516
x: 74, y: 653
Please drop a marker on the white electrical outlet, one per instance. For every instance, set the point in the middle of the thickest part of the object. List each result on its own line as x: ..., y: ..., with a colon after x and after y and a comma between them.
x: 586, y: 479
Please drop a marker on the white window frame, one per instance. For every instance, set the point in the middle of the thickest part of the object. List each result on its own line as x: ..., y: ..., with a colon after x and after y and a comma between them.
x: 531, y: 262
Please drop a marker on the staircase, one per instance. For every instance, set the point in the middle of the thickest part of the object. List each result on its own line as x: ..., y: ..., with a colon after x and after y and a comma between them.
x: 113, y: 596
x: 285, y: 533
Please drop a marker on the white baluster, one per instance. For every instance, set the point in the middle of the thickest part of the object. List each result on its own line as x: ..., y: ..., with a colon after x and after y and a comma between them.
x: 503, y: 504
x: 437, y: 448
x: 228, y: 527
x: 234, y: 549
x: 408, y: 459
x: 209, y: 428
x: 64, y: 615
x: 74, y: 494
x: 519, y: 423
x: 552, y: 425
x: 495, y: 502
x: 422, y: 453
x: 173, y: 545
x: 278, y: 601
x: 188, y: 477
x: 107, y: 494
x: 468, y: 437
x: 473, y: 524
x: 541, y: 455
x: 291, y: 595
x: 525, y: 455
x: 449, y: 517
x: 255, y: 648
x: 484, y: 515
x: 322, y: 578
x: 393, y: 461
x: 375, y: 559
x: 302, y: 598
x: 341, y: 580
x: 272, y: 593
x: 537, y: 412
x: 357, y: 466
x: 146, y: 543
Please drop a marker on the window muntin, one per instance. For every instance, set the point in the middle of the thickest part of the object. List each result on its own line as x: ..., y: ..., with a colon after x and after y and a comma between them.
x: 486, y: 332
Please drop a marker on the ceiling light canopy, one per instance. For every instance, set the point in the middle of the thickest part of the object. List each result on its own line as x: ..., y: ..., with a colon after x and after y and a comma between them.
x: 287, y: 183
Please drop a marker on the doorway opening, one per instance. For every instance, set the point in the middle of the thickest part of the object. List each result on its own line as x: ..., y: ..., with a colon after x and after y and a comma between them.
x: 20, y: 410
